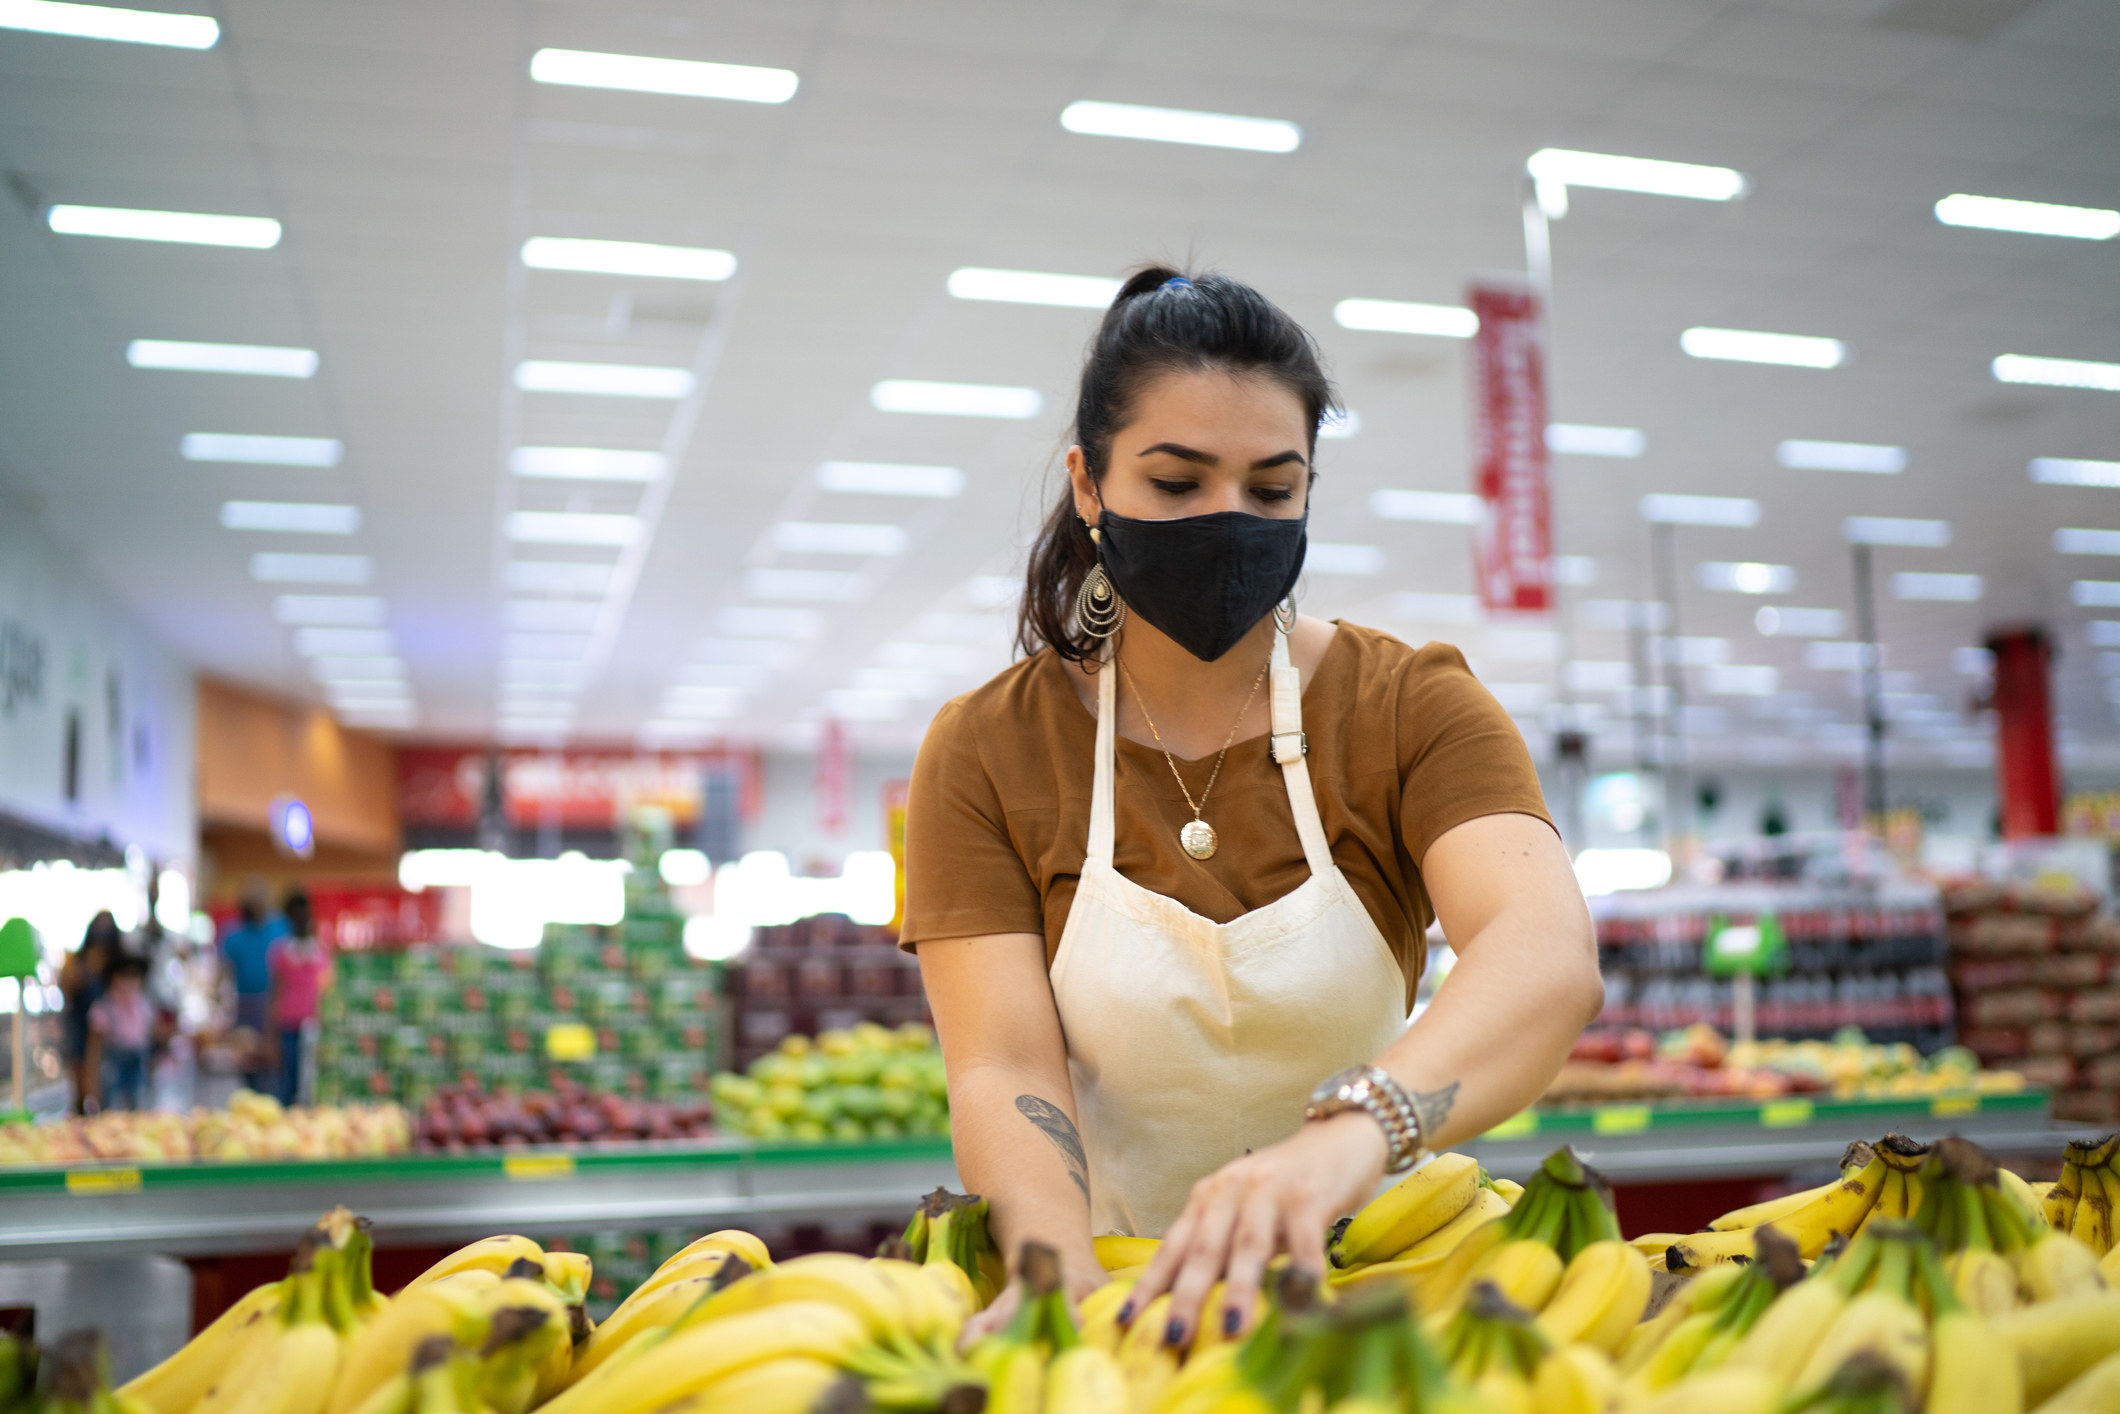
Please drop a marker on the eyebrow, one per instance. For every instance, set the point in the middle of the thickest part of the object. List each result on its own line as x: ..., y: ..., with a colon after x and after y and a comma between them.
x: 1199, y: 458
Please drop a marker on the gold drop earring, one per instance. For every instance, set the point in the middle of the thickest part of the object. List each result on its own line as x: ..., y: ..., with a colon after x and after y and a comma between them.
x: 1099, y: 611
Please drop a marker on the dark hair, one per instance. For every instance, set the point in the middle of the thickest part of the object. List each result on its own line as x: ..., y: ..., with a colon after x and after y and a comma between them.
x: 1154, y: 326
x: 127, y: 965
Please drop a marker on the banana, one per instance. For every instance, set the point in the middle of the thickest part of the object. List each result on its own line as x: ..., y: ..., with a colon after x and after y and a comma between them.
x: 1575, y: 1379
x: 2095, y: 1391
x: 1016, y: 1384
x: 1503, y: 1391
x: 654, y: 1374
x: 1084, y: 1380
x: 1760, y: 1214
x: 2057, y: 1265
x: 1100, y: 1315
x: 1417, y: 1205
x: 1509, y: 1189
x: 1115, y: 1251
x: 795, y: 1384
x: 2058, y: 1340
x: 1787, y: 1332
x: 2109, y: 1183
x: 2059, y: 1200
x: 1723, y: 1391
x: 957, y: 1291
x: 1601, y: 1296
x: 2109, y: 1266
x: 1485, y: 1206
x: 294, y: 1376
x: 1841, y: 1208
x: 661, y: 1308
x: 1880, y: 1323
x: 730, y: 1239
x: 2093, y: 1224
x: 2013, y: 1185
x: 1974, y: 1371
x: 529, y: 1348
x: 1526, y: 1272
x: 1892, y: 1197
x: 842, y: 1280
x: 456, y: 1307
x: 1983, y: 1280
x: 1446, y: 1283
x: 488, y: 1254
x: 179, y: 1382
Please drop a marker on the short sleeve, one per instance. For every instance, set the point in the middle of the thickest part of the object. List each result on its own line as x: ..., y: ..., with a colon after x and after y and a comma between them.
x: 963, y: 874
x: 1461, y: 755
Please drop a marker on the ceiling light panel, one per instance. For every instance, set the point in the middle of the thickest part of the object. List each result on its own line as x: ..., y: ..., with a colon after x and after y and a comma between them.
x: 355, y: 668
x: 1323, y: 558
x: 1032, y: 287
x: 344, y: 642
x: 1781, y: 621
x: 857, y: 705
x: 936, y: 657
x: 557, y: 615
x: 1585, y: 440
x: 586, y: 463
x: 2095, y: 593
x: 1752, y: 346
x: 2076, y: 541
x: 1730, y: 512
x: 1741, y: 680
x: 1637, y: 174
x: 1181, y: 125
x: 685, y: 78
x: 571, y: 646
x: 572, y: 528
x: 1972, y: 662
x: 670, y: 262
x: 2037, y: 218
x: 292, y: 517
x: 178, y: 227
x: 792, y: 625
x: 260, y: 451
x: 610, y: 380
x: 1941, y: 588
x: 1826, y: 657
x: 260, y: 360
x: 2065, y: 471
x: 1893, y: 530
x: 2058, y: 372
x: 911, y: 682
x: 754, y: 654
x: 890, y: 479
x: 811, y: 586
x: 539, y: 670
x: 1574, y: 570
x: 2103, y: 633
x: 558, y: 577
x: 343, y: 610
x: 1387, y: 316
x: 1841, y: 456
x: 1435, y: 507
x: 955, y: 399
x: 1745, y: 577
x: 311, y: 569
x: 803, y: 537
x: 1436, y: 608
x: 746, y: 679
x: 110, y: 22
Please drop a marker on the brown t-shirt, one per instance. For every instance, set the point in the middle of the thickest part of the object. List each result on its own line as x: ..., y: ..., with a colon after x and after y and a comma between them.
x: 1404, y: 744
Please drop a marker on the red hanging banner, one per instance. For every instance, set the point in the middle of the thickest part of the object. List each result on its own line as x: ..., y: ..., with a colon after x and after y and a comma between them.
x: 1513, y: 545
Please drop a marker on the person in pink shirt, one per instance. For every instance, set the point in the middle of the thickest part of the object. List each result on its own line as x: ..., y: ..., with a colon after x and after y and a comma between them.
x: 121, y: 1029
x: 301, y: 970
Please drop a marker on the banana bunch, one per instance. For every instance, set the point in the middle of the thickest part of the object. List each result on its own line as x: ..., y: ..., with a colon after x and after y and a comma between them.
x: 1713, y: 1322
x: 1996, y: 1245
x: 1493, y: 1347
x: 2083, y: 1200
x: 1810, y: 1219
x: 1016, y: 1361
x: 1415, y: 1207
x: 72, y: 1377
x: 1561, y: 1234
x: 951, y: 1227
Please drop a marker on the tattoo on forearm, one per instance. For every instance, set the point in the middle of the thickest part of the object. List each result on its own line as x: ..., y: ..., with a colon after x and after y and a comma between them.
x: 1053, y: 1123
x: 1432, y: 1107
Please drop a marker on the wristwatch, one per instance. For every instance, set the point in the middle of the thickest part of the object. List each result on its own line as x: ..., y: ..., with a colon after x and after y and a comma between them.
x: 1369, y: 1089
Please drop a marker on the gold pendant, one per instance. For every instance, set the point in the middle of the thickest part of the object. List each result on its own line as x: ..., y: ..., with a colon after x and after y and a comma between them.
x: 1199, y: 840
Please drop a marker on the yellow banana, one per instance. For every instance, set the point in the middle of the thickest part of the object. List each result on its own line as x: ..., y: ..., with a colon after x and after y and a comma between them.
x: 662, y: 1308
x: 1974, y: 1371
x: 1150, y: 1365
x: 1782, y: 1340
x: 2109, y: 1266
x: 1575, y: 1379
x: 839, y: 1278
x: 689, y: 1360
x: 1084, y: 1380
x: 2013, y: 1184
x: 1115, y: 1251
x: 1509, y: 1189
x: 2109, y: 1183
x: 2058, y: 1202
x: 1601, y: 1296
x: 1722, y: 1390
x: 1417, y: 1205
x: 1892, y: 1197
x: 957, y: 1292
x: 1100, y: 1315
x: 1840, y: 1208
x: 1016, y: 1383
x: 488, y: 1254
x: 179, y: 1382
x: 2095, y: 1391
x: 383, y: 1348
x: 1205, y: 1385
x: 1446, y: 1284
x: 731, y: 1239
x: 1526, y: 1272
x: 1430, y: 1251
x: 1878, y: 1322
x: 794, y: 1384
x: 2058, y: 1340
x: 2093, y: 1224
x: 1502, y: 1390
x: 1759, y: 1214
x: 2057, y: 1265
x: 932, y: 1312
x: 1672, y: 1357
x: 529, y: 1349
x: 1983, y: 1280
x: 1704, y: 1292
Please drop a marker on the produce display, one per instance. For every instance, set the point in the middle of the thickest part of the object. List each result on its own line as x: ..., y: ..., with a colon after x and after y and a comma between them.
x: 866, y: 1082
x: 459, y: 1118
x: 822, y: 973
x: 1923, y: 1280
x: 1610, y: 1063
x: 253, y: 1126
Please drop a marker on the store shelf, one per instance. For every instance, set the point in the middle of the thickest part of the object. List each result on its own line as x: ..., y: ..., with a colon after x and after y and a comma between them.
x: 1677, y: 1140
x: 115, y: 1210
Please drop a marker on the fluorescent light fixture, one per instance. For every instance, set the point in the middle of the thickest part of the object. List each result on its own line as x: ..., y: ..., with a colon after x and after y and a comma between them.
x: 1745, y: 577
x: 1628, y: 614
x: 2066, y: 471
x: 1943, y: 588
x: 1827, y: 657
x: 701, y: 702
x: 552, y: 615
x: 1581, y: 439
x: 810, y: 537
x: 1689, y: 652
x: 1032, y: 287
x: 955, y: 399
x: 1751, y: 346
x: 1561, y: 167
x: 586, y: 463
x: 1181, y: 125
x: 909, y: 682
x: 1972, y: 662
x: 534, y: 727
x: 558, y: 577
x: 1575, y: 571
x: 673, y: 262
x: 890, y: 479
x: 1583, y: 675
x: 1436, y: 608
x: 572, y: 528
x: 851, y: 704
x: 746, y: 679
x: 2037, y: 218
x: 2075, y: 541
x: 260, y: 451
x: 1741, y: 680
x: 1339, y: 424
x: 357, y: 668
x: 2103, y: 633
x: 344, y: 642
x: 611, y: 380
x: 1435, y: 507
x: 749, y: 654
x: 263, y: 360
x: 792, y: 625
x: 1608, y: 871
x: 815, y: 586
x: 380, y: 716
x: 1893, y: 530
x: 1733, y: 512
x: 1322, y: 558
x: 311, y: 569
x: 571, y: 646
x: 370, y: 699
x: 1776, y: 621
x: 179, y: 227
x: 110, y: 22
x: 2058, y: 372
x: 1841, y: 456
x: 293, y: 517
x: 1390, y: 316
x: 344, y: 610
x: 1522, y: 645
x: 2095, y: 593
x: 515, y: 671
x: 687, y: 78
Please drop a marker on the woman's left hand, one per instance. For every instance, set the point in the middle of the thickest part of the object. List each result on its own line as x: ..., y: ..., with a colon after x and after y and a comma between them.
x: 1280, y: 1199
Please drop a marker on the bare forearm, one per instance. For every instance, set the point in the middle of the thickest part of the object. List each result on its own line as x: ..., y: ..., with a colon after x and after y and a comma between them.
x: 1017, y: 1145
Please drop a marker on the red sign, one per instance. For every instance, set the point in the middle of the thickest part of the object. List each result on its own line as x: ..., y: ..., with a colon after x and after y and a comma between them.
x: 1513, y: 546
x: 446, y: 786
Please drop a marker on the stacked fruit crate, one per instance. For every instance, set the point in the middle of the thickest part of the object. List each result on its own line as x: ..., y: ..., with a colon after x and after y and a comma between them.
x: 2037, y: 973
x: 819, y: 974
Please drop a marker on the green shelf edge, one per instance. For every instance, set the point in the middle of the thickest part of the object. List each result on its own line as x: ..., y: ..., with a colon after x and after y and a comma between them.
x: 1704, y: 1114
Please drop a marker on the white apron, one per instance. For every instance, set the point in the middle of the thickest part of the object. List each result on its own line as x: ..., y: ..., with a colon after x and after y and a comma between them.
x: 1190, y: 1042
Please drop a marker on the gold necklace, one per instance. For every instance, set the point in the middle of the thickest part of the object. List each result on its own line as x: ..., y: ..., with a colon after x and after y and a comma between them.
x: 1197, y: 837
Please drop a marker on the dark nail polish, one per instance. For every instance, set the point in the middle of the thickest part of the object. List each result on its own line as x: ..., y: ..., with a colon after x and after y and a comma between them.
x: 1230, y: 1319
x: 1174, y: 1333
x: 1126, y: 1313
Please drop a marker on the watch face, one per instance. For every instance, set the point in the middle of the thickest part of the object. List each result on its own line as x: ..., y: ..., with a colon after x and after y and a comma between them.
x: 1342, y: 1086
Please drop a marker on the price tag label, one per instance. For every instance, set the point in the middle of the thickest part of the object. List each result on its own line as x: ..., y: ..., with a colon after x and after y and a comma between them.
x: 570, y: 1041
x: 532, y: 1167
x: 1786, y: 1114
x: 1622, y: 1119
x: 103, y: 1181
x: 1948, y: 1106
x: 1517, y: 1126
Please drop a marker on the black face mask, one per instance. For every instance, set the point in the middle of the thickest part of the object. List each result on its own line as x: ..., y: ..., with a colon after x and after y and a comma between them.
x: 1203, y: 580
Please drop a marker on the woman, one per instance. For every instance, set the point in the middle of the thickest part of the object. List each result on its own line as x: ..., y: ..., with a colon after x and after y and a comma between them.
x: 81, y: 982
x: 1169, y: 874
x: 300, y: 969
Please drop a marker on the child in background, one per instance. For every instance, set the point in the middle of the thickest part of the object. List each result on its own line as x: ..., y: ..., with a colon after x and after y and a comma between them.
x: 121, y: 1029
x: 300, y: 970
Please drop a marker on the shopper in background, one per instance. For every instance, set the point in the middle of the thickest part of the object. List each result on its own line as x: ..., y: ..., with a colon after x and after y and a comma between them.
x: 121, y: 1030
x: 244, y: 949
x: 300, y: 970
x: 81, y: 979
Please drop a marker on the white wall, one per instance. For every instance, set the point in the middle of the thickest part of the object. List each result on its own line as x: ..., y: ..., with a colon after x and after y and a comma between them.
x: 788, y: 819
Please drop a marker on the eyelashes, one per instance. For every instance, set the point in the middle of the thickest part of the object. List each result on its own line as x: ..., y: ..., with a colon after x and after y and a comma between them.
x: 1273, y: 494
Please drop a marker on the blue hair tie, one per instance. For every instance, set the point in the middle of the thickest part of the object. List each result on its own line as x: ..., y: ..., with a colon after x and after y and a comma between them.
x: 1175, y: 282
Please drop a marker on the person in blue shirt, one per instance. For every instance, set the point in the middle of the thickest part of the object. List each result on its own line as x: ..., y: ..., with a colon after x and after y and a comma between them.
x: 244, y: 948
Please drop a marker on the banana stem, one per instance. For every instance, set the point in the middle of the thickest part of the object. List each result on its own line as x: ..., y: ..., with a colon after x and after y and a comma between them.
x: 1895, y: 1265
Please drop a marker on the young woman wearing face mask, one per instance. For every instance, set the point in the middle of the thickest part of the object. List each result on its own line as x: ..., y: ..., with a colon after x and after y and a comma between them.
x: 1168, y: 875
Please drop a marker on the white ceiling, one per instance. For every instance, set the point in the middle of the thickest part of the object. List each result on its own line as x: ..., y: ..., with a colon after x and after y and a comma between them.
x: 408, y: 155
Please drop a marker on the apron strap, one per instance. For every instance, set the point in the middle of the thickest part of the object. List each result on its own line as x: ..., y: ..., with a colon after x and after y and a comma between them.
x: 1100, y: 796
x: 1290, y: 746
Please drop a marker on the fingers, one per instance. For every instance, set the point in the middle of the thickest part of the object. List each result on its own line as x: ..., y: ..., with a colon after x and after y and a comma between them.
x: 1206, y: 1254
x: 993, y: 1318
x: 1258, y: 1229
x: 1154, y: 1281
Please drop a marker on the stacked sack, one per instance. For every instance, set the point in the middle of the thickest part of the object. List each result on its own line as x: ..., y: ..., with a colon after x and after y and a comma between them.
x: 2037, y: 978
